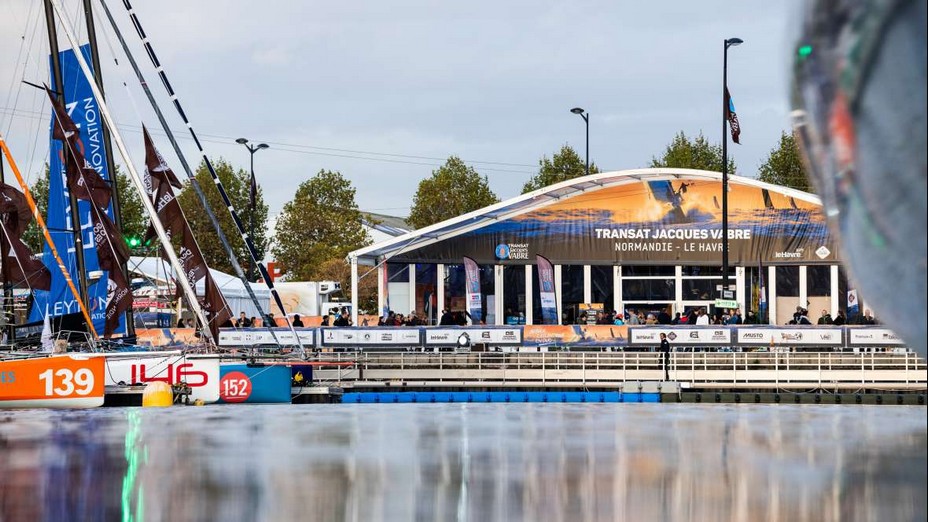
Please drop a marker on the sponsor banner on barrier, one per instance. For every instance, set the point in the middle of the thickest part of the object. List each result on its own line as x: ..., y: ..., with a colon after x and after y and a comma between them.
x: 873, y: 337
x: 575, y: 335
x: 493, y: 336
x: 813, y: 335
x: 371, y: 337
x: 651, y: 335
x: 257, y: 337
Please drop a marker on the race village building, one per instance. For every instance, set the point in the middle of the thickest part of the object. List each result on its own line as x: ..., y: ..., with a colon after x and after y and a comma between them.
x: 645, y: 239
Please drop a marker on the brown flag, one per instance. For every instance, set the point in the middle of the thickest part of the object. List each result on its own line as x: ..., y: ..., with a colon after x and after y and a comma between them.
x: 112, y: 253
x: 118, y: 300
x: 155, y: 164
x: 214, y: 306
x: 83, y: 180
x: 160, y: 180
x: 22, y: 266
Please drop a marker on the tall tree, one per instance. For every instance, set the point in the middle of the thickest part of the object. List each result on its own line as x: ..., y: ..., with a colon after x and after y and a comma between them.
x: 784, y: 165
x: 134, y: 219
x: 322, y: 222
x: 564, y: 165
x: 452, y: 190
x: 237, y: 184
x: 698, y: 153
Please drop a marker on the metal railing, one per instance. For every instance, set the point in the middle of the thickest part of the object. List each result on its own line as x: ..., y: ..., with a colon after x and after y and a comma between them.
x: 754, y: 370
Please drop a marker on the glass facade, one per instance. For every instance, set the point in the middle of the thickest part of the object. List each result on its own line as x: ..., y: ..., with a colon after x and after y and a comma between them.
x: 571, y: 292
x: 647, y: 289
x: 514, y: 294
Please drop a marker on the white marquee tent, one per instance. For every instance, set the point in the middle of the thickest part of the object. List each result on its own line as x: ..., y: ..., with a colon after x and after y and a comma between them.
x: 159, y: 272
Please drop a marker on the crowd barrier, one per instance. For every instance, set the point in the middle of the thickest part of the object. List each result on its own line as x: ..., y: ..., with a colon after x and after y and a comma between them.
x: 543, y: 336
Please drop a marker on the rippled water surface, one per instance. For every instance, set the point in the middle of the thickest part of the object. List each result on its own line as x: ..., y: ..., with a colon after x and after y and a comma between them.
x: 466, y: 462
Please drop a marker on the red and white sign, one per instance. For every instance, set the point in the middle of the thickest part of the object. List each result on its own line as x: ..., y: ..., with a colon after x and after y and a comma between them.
x: 199, y: 373
x: 235, y: 387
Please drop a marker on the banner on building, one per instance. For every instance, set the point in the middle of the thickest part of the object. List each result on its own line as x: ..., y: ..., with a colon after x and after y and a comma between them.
x: 472, y: 290
x: 853, y: 306
x: 673, y: 222
x: 546, y: 290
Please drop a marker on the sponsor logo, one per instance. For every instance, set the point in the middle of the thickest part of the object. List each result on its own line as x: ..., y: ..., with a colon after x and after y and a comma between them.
x: 752, y: 335
x: 512, y: 251
x: 791, y: 336
x: 367, y: 337
x: 826, y: 336
x: 383, y: 337
x: 485, y: 335
x: 823, y: 252
x: 502, y: 251
x: 788, y: 255
x: 672, y: 336
x: 694, y: 335
x: 890, y: 337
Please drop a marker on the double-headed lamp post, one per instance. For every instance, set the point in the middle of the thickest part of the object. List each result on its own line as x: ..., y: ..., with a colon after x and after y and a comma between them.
x: 253, y: 194
x: 586, y: 118
x: 729, y: 42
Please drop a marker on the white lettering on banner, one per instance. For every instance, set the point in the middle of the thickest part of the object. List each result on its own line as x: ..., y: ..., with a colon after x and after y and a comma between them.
x: 669, y: 233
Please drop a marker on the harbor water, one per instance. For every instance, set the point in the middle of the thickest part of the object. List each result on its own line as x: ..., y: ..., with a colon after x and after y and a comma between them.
x: 518, y: 461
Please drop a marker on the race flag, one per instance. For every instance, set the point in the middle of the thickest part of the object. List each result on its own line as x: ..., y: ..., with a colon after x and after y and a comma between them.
x: 546, y: 290
x: 472, y: 290
x: 762, y: 297
x: 853, y: 306
x: 732, y: 118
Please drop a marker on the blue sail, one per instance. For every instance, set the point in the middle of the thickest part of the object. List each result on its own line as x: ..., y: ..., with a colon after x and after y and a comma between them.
x: 82, y: 107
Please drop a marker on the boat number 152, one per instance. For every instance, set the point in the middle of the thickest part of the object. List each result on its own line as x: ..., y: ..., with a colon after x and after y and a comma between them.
x: 68, y: 382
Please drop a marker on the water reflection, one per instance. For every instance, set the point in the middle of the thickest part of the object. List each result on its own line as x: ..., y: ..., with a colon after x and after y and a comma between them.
x: 466, y: 462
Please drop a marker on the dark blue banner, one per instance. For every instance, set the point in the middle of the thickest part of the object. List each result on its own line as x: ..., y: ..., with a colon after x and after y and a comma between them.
x: 82, y: 108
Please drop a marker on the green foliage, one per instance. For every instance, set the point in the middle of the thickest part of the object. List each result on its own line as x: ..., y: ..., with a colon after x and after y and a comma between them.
x: 132, y: 213
x: 784, y: 166
x: 320, y: 224
x: 237, y: 184
x: 452, y: 190
x: 566, y: 164
x: 682, y: 153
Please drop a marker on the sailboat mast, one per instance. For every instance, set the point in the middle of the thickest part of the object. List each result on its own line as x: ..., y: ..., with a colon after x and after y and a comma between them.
x: 246, y: 237
x: 58, y: 78
x: 183, y: 160
x: 4, y: 269
x: 189, y: 292
x: 107, y: 146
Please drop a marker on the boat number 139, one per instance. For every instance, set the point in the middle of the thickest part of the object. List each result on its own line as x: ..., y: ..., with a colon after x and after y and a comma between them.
x: 68, y: 382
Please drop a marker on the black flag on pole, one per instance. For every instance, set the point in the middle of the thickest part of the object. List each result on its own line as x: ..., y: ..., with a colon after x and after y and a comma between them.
x: 732, y: 118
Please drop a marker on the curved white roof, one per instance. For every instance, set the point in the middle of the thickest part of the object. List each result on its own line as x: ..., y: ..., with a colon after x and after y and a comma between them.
x: 547, y: 196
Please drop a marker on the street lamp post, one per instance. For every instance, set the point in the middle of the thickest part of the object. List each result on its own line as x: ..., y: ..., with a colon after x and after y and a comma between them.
x: 253, y: 192
x: 730, y: 42
x: 586, y: 118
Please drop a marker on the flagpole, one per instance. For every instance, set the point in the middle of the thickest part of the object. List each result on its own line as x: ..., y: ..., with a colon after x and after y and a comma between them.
x: 727, y: 43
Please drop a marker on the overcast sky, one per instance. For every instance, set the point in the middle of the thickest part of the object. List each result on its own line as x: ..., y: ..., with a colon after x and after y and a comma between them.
x: 385, y: 91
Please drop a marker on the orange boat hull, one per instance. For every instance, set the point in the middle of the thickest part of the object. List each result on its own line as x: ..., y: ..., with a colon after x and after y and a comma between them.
x: 64, y: 381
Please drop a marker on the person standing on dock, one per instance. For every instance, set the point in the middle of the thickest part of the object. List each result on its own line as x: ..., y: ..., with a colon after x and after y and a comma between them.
x: 665, y: 356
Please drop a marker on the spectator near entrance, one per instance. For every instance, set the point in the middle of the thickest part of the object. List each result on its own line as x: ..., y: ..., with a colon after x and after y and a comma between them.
x: 825, y: 318
x: 702, y: 318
